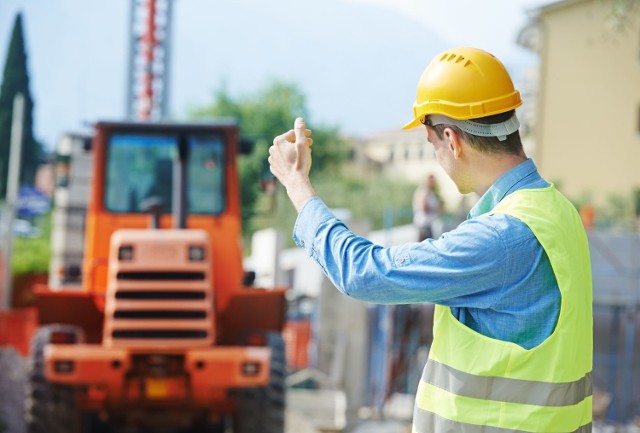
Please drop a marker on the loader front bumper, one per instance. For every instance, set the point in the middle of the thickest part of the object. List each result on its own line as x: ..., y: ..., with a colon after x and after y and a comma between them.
x: 201, y: 375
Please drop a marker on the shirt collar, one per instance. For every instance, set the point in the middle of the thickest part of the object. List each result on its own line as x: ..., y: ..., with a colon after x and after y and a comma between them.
x: 509, y: 182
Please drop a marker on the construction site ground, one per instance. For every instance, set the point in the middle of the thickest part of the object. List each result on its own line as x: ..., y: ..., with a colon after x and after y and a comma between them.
x: 12, y: 390
x: 13, y: 368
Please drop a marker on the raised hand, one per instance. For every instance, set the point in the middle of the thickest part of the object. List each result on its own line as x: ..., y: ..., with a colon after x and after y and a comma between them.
x: 290, y: 162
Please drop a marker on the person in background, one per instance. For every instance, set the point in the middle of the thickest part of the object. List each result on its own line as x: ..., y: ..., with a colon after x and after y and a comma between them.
x: 512, y: 346
x: 427, y: 208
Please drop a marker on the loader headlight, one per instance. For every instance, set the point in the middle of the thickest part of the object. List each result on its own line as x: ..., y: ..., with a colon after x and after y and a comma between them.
x: 196, y: 254
x: 125, y: 253
x: 250, y: 368
x: 64, y: 366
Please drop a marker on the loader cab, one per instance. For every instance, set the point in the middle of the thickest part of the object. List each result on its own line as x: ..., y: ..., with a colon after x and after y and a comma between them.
x: 141, y: 166
x: 185, y: 174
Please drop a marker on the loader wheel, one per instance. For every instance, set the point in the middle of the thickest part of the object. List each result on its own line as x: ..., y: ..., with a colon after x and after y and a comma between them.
x: 262, y: 409
x: 49, y: 408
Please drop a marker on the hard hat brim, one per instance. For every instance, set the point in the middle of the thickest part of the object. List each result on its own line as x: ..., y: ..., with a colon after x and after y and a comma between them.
x: 413, y: 124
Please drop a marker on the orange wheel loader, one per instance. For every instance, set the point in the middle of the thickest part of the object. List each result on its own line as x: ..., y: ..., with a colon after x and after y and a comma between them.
x: 166, y: 331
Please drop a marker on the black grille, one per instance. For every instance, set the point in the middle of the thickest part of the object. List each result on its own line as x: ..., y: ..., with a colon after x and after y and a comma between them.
x: 160, y: 314
x: 160, y: 294
x: 159, y: 333
x: 161, y: 275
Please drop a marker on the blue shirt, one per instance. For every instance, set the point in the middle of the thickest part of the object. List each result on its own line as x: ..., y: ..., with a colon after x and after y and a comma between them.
x: 490, y: 270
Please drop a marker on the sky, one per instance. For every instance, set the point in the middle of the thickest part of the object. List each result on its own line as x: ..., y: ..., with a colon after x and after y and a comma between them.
x: 357, y: 61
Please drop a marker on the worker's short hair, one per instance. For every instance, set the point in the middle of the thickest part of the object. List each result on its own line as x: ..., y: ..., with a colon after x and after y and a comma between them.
x: 512, y: 144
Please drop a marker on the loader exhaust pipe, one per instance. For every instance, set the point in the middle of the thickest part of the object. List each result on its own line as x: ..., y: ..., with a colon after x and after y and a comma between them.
x: 153, y: 206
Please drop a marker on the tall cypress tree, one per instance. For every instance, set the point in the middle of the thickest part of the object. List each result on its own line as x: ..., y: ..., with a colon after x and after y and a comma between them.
x: 16, y: 80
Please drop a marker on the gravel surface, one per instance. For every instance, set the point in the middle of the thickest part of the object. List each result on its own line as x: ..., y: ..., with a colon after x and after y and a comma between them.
x: 12, y: 389
x: 296, y: 423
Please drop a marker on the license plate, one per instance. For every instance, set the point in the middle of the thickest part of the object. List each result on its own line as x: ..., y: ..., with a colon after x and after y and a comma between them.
x: 156, y: 387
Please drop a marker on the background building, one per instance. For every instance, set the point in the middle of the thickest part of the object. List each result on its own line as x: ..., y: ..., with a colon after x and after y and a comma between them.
x: 406, y: 155
x: 587, y: 125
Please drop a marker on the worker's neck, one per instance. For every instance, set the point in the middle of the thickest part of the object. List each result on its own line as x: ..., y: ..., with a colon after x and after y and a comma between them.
x: 492, y: 167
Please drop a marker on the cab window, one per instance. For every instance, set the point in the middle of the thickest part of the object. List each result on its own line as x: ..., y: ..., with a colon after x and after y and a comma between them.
x: 140, y: 166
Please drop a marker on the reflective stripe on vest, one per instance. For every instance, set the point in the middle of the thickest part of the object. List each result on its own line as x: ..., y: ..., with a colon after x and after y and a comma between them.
x: 440, y: 424
x: 507, y: 390
x: 467, y: 411
x: 474, y: 383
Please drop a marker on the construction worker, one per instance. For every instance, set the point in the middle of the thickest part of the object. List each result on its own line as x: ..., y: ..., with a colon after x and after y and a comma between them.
x: 427, y: 207
x: 512, y: 348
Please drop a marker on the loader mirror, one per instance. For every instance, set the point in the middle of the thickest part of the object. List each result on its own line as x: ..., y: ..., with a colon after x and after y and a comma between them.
x: 249, y: 278
x: 245, y: 146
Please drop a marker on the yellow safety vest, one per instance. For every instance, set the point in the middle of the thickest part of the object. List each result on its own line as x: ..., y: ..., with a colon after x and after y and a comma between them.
x: 474, y: 383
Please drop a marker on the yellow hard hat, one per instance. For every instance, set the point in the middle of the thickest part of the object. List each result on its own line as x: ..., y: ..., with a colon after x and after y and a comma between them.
x: 464, y: 83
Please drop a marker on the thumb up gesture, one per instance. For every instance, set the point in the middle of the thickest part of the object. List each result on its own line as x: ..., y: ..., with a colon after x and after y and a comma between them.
x: 290, y: 162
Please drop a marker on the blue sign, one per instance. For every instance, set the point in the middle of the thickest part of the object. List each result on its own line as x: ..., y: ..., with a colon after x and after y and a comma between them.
x: 31, y: 202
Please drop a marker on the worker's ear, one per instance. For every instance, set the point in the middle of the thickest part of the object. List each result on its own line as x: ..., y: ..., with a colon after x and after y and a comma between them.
x: 453, y: 139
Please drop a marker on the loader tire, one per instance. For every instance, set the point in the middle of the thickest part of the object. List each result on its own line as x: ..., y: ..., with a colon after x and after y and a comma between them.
x: 262, y: 409
x: 49, y: 408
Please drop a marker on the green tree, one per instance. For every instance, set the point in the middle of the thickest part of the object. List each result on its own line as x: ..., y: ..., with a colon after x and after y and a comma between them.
x: 271, y: 111
x: 16, y: 80
x: 262, y: 116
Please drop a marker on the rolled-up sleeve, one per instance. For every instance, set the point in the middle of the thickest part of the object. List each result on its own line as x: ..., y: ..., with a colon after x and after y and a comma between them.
x: 456, y: 270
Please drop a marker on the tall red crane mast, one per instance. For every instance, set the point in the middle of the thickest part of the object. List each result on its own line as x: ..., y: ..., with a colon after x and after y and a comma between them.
x: 149, y: 57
